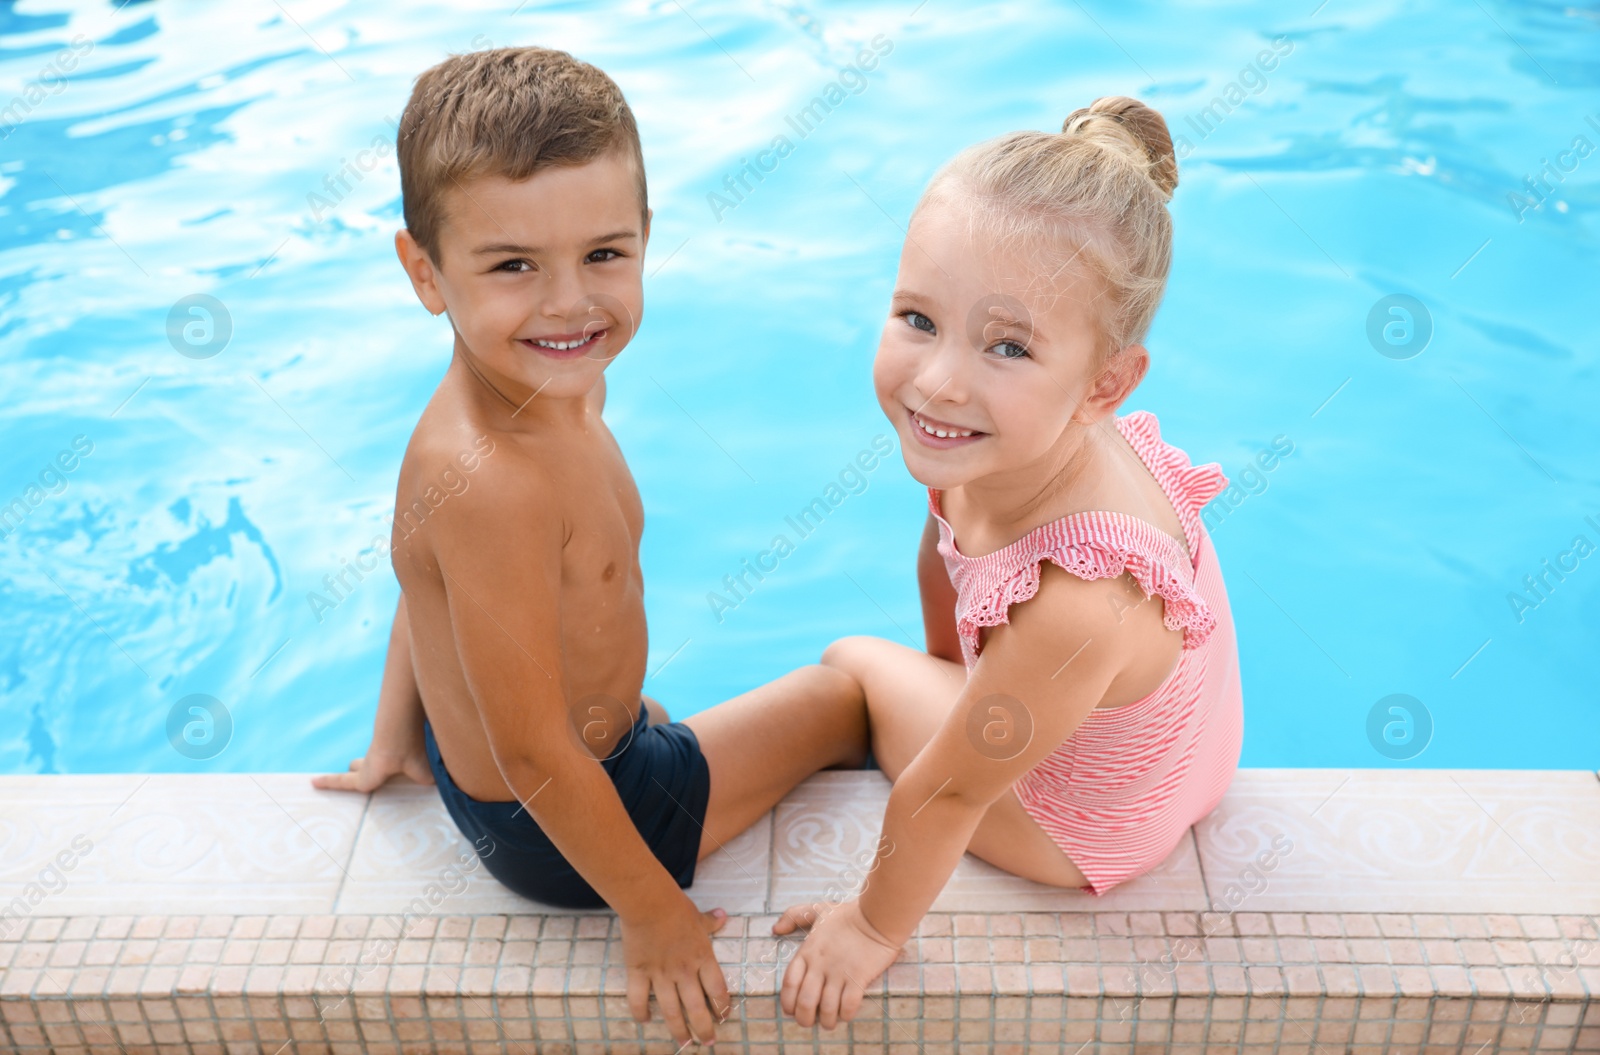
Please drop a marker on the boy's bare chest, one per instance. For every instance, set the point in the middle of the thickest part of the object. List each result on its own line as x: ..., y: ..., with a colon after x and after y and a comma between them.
x: 603, y: 518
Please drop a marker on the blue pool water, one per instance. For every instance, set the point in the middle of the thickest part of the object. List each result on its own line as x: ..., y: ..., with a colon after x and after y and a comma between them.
x: 227, y: 151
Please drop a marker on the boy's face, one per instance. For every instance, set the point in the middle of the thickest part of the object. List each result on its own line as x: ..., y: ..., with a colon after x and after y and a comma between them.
x: 541, y: 277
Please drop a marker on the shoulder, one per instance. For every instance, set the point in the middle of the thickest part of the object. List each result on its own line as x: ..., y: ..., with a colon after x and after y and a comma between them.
x: 1069, y: 624
x: 1069, y: 603
x: 465, y: 481
x: 1105, y: 624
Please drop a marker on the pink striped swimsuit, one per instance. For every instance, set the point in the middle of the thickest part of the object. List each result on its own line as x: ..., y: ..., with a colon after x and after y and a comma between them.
x: 1118, y: 795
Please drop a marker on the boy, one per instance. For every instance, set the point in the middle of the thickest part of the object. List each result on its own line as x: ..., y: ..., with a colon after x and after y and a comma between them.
x: 521, y: 627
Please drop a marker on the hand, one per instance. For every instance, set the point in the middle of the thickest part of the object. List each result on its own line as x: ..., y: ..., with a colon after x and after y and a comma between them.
x: 370, y: 771
x: 670, y: 954
x: 841, y: 956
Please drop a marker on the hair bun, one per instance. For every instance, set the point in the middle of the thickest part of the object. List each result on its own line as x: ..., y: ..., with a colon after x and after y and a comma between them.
x: 1133, y: 130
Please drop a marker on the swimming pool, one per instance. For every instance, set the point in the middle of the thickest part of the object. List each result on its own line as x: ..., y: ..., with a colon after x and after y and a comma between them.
x: 227, y: 454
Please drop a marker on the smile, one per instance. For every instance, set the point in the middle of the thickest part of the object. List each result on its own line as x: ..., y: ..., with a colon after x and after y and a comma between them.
x: 566, y: 346
x: 941, y: 431
x: 931, y: 431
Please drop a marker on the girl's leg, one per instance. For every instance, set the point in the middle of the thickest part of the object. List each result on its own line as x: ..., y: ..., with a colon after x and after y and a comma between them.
x: 761, y: 744
x: 909, y: 695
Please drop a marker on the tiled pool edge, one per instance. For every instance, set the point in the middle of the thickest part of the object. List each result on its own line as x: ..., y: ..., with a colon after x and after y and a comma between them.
x: 1287, y: 971
x: 1279, y: 982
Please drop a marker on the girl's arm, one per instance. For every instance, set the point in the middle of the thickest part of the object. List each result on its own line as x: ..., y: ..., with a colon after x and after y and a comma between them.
x: 397, y: 746
x: 938, y: 597
x: 1013, y: 713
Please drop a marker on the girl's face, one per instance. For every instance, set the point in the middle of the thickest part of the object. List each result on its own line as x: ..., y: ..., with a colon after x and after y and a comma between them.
x: 983, y: 348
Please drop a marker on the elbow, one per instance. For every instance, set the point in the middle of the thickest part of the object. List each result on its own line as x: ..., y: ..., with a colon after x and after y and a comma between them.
x: 946, y: 798
x: 526, y: 772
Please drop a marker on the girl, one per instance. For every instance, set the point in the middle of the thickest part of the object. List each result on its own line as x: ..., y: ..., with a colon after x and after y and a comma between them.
x: 1058, y: 726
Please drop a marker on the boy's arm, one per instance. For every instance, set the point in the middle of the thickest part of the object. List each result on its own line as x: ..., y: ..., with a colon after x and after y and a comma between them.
x: 1023, y: 713
x: 938, y: 597
x: 397, y: 746
x: 505, y: 618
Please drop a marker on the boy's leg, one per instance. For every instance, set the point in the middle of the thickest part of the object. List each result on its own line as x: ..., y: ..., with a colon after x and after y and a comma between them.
x: 759, y: 745
x: 909, y: 695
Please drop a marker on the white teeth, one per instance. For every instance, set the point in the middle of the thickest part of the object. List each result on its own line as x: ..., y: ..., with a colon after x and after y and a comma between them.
x: 562, y: 346
x: 941, y: 433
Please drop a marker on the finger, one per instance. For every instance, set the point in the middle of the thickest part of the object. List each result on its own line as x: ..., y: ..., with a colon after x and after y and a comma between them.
x: 850, y: 1003
x: 639, y: 995
x: 795, y: 916
x: 792, y: 979
x: 716, y: 988
x: 828, y: 1006
x: 702, y: 1025
x: 371, y: 778
x: 667, y: 997
x: 335, y: 782
x: 805, y: 1005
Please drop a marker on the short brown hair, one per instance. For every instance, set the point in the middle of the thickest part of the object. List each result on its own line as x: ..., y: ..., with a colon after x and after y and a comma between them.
x: 507, y: 112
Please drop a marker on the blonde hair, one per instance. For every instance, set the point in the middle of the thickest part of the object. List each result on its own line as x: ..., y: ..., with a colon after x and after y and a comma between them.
x: 507, y: 112
x: 1096, y: 193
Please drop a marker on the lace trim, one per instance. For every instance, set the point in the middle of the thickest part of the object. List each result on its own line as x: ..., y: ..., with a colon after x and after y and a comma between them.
x: 1183, y: 608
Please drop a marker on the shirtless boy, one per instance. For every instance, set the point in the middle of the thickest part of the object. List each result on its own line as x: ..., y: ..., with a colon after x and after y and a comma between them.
x: 518, y: 650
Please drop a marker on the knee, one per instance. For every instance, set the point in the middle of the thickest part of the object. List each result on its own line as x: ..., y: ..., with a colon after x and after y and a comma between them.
x: 848, y: 654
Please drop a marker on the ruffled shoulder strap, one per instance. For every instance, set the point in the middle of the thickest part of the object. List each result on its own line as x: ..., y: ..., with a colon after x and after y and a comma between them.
x: 1188, y: 487
x: 1094, y: 545
x: 1097, y: 545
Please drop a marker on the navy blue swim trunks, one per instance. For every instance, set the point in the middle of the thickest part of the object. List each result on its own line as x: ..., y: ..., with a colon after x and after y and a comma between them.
x: 663, y: 781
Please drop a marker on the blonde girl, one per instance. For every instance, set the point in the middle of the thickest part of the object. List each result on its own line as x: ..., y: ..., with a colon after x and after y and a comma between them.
x: 1077, y: 707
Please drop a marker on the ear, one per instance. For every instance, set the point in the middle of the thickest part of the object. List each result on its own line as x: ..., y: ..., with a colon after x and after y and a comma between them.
x: 1116, y: 381
x: 424, y: 277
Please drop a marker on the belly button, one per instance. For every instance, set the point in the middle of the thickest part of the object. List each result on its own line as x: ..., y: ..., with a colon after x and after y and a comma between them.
x: 610, y: 572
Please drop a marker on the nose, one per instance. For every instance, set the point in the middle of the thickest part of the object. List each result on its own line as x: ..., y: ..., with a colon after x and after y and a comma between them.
x: 940, y: 377
x: 563, y: 296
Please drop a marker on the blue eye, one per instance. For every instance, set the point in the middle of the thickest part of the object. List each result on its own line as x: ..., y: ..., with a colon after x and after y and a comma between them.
x: 918, y: 321
x: 1020, y: 351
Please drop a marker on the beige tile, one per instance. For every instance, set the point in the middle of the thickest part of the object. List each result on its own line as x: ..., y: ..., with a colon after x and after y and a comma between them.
x: 1366, y: 840
x: 825, y: 831
x: 735, y: 878
x: 1175, y: 884
x: 408, y: 843
x: 824, y: 835
x: 218, y: 843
